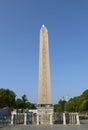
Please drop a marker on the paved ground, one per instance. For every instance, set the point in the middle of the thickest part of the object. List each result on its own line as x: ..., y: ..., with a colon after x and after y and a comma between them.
x: 41, y: 127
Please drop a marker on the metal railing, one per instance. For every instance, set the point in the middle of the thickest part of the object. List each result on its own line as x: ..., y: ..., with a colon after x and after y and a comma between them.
x: 5, y: 120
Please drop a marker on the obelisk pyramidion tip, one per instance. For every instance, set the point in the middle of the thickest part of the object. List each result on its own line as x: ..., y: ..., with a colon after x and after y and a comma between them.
x: 43, y: 25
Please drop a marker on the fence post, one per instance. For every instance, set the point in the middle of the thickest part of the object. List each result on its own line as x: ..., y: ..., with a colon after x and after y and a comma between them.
x: 37, y: 119
x: 64, y: 119
x: 12, y: 118
x: 77, y: 117
x: 25, y: 118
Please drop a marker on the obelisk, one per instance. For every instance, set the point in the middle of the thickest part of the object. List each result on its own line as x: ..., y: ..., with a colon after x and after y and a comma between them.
x: 44, y: 90
x: 44, y: 108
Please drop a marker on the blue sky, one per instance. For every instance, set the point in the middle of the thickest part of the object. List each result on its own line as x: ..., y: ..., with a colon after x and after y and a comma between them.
x: 67, y: 24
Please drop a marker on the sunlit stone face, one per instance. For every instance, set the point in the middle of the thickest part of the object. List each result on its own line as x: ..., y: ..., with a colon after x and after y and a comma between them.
x: 44, y: 90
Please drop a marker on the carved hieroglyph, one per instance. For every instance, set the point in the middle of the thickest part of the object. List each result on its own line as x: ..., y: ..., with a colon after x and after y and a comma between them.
x: 44, y: 90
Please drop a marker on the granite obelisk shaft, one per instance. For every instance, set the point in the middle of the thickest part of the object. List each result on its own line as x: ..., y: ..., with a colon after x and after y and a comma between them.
x: 44, y: 89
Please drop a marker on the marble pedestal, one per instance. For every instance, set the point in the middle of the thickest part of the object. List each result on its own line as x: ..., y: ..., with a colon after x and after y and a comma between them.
x: 45, y: 115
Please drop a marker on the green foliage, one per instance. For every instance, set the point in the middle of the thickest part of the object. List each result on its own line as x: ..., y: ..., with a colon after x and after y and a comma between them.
x: 60, y: 106
x: 19, y: 104
x: 84, y: 95
x: 56, y: 108
x: 23, y: 103
x: 73, y: 104
x: 79, y: 103
x: 84, y: 105
x: 7, y: 98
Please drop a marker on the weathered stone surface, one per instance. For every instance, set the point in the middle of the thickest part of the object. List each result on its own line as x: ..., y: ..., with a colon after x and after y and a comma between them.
x: 44, y: 90
x: 44, y: 109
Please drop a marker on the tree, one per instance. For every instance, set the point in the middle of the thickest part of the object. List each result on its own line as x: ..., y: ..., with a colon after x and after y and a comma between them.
x: 79, y: 103
x: 84, y: 95
x: 84, y: 105
x: 56, y: 108
x: 19, y: 103
x: 68, y: 106
x: 7, y: 98
x: 23, y: 103
x: 24, y: 98
x: 60, y: 106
